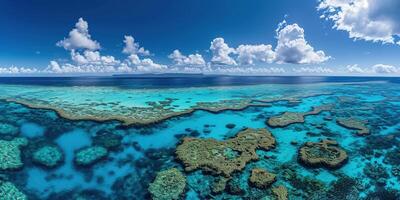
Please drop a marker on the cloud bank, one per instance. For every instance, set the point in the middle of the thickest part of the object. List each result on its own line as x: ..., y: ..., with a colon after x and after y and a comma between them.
x: 291, y: 48
x: 369, y: 20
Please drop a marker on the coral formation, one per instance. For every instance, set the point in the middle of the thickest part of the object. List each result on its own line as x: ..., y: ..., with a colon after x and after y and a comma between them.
x: 107, y: 140
x: 10, y: 153
x: 8, y: 129
x: 220, y: 184
x: 280, y: 193
x: 354, y: 124
x: 224, y: 157
x: 49, y: 156
x: 261, y: 178
x: 8, y: 191
x: 168, y: 185
x: 326, y: 153
x: 288, y: 118
x: 90, y: 155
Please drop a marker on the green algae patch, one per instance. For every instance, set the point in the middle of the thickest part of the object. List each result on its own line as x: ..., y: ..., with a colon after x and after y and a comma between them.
x: 10, y: 153
x: 261, y: 178
x: 8, y: 191
x: 224, y: 157
x: 354, y: 124
x: 168, y: 185
x: 326, y: 153
x: 288, y: 118
x: 49, y: 156
x: 90, y: 155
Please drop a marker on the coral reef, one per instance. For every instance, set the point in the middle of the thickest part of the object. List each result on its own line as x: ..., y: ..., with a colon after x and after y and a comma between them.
x: 8, y: 191
x: 49, y: 156
x: 280, y: 193
x: 354, y: 124
x: 326, y: 153
x: 261, y: 178
x: 288, y: 118
x: 90, y: 155
x: 8, y: 129
x: 224, y: 157
x: 168, y: 185
x: 107, y: 140
x: 10, y: 153
x: 220, y: 184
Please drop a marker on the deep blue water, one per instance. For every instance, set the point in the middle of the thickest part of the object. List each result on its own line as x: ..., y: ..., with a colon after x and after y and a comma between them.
x: 165, y: 81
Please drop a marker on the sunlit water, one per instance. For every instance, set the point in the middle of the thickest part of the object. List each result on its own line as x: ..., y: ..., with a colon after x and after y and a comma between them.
x: 147, y: 150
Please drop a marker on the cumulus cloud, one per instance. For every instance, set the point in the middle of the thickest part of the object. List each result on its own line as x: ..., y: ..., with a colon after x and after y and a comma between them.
x: 384, y: 69
x: 293, y: 48
x: 249, y: 54
x: 313, y: 70
x: 370, y: 20
x: 249, y: 70
x: 221, y: 52
x: 355, y: 69
x: 18, y: 70
x: 79, y: 38
x: 192, y: 60
x: 131, y: 47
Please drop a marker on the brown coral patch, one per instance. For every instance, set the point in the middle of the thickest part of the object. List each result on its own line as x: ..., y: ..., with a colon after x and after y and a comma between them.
x: 288, y: 118
x: 354, y: 124
x: 280, y: 193
x: 261, y: 178
x: 326, y: 153
x: 224, y: 157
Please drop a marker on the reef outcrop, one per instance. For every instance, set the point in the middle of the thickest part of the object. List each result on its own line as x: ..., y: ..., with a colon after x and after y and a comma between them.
x: 261, y: 178
x: 168, y: 185
x: 90, y: 155
x: 8, y: 191
x: 288, y: 118
x: 280, y: 193
x: 326, y: 153
x: 10, y: 153
x: 354, y: 124
x: 49, y: 156
x: 224, y: 157
x: 8, y: 129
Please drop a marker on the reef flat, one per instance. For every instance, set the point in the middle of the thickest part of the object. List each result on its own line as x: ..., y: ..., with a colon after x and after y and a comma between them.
x: 269, y: 141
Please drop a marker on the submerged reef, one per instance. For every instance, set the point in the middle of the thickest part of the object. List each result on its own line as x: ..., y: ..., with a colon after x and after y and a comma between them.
x: 288, y: 118
x: 326, y: 153
x: 261, y: 178
x: 90, y: 155
x: 280, y: 193
x: 49, y: 156
x: 354, y: 124
x: 8, y: 191
x: 10, y: 153
x: 168, y: 185
x: 107, y: 140
x: 8, y: 129
x: 224, y: 157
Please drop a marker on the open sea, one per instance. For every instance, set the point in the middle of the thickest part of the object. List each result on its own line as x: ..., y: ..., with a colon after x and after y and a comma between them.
x: 199, y: 137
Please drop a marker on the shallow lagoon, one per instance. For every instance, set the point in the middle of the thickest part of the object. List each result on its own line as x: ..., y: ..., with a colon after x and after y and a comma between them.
x: 372, y: 170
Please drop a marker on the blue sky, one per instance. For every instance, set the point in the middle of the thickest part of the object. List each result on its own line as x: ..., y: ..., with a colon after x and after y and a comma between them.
x: 32, y: 29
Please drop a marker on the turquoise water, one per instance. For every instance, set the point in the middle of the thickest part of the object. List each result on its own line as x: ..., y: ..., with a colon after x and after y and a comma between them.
x: 371, y: 172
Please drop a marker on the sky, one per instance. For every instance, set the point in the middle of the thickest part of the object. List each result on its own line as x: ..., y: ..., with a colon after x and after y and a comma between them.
x: 275, y: 37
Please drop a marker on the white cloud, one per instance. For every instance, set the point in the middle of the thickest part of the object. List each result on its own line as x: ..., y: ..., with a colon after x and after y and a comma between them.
x: 249, y: 54
x: 355, y: 69
x: 384, y: 69
x: 221, y: 52
x: 147, y: 65
x: 79, y: 38
x: 313, y: 70
x: 133, y: 48
x: 370, y: 20
x: 293, y: 48
x: 18, y: 70
x: 192, y: 60
x: 249, y: 70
